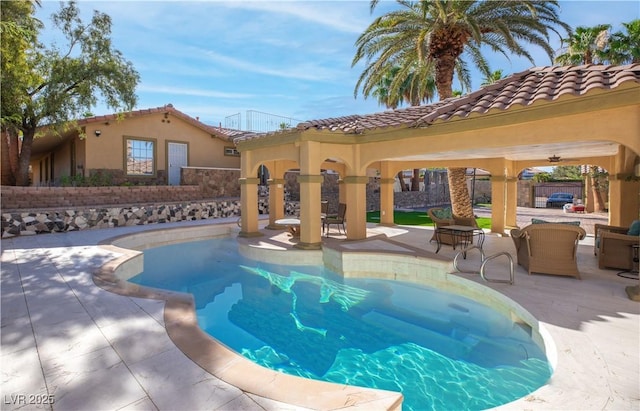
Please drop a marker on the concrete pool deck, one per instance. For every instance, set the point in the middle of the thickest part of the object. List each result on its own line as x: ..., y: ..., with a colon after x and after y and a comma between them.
x: 64, y: 337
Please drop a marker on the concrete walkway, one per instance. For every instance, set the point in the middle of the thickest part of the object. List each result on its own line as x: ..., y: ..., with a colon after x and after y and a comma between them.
x: 65, y: 340
x: 525, y: 214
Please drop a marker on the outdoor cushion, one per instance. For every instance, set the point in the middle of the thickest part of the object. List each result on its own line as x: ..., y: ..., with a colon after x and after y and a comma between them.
x: 539, y: 221
x: 443, y: 213
x: 634, y: 229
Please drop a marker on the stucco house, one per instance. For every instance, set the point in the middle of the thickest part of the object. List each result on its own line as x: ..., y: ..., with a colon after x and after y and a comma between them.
x: 142, y: 147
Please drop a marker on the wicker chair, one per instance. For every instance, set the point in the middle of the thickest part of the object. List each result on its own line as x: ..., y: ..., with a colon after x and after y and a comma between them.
x: 613, y: 246
x: 548, y: 248
x: 442, y: 217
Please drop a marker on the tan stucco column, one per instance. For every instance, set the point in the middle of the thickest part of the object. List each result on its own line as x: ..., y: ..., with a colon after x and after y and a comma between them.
x: 498, y: 204
x: 276, y: 202
x: 387, y: 181
x: 249, y: 207
x: 386, y: 201
x: 511, y: 210
x: 342, y: 194
x: 624, y: 200
x: 310, y: 230
x: 356, y: 200
x: 588, y: 189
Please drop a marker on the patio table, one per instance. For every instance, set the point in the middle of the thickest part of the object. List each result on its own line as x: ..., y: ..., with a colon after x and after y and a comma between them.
x: 463, y: 233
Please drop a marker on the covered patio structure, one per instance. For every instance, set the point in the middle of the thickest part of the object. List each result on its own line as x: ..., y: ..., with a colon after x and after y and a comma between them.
x: 584, y: 114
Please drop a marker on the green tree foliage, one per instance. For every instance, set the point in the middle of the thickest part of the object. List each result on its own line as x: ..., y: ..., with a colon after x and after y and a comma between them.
x: 442, y: 35
x: 58, y: 84
x: 492, y: 78
x: 586, y: 45
x: 398, y: 86
x: 18, y: 32
x: 595, y: 45
x: 566, y: 173
x: 624, y: 47
x: 542, y: 177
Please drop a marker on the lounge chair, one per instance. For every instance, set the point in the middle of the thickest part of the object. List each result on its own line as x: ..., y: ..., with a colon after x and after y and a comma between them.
x: 614, y: 245
x: 548, y: 248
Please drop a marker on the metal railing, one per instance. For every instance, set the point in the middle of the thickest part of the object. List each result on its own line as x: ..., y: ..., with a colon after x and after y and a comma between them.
x: 260, y: 122
x: 483, y: 266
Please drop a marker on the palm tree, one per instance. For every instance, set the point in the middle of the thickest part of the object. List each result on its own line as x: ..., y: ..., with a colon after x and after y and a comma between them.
x: 586, y: 45
x: 413, y: 84
x: 491, y: 78
x: 383, y: 90
x: 395, y: 88
x: 624, y: 48
x: 438, y: 33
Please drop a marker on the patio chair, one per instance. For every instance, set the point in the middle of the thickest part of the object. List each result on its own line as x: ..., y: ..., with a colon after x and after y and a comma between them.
x: 335, y: 219
x: 548, y: 248
x: 443, y: 217
x: 614, y: 245
x: 324, y: 208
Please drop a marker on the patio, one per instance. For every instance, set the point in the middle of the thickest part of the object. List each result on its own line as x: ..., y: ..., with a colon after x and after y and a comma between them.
x: 64, y: 337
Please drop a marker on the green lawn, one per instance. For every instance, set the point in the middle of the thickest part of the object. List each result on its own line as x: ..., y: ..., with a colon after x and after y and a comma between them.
x: 417, y: 218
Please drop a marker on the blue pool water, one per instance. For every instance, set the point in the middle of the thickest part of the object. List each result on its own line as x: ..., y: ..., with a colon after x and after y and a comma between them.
x: 442, y: 351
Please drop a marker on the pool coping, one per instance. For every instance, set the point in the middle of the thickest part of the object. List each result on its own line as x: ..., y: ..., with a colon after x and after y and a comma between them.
x: 216, y: 358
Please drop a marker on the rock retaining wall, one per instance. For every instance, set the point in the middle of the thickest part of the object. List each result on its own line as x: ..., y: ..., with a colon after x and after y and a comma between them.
x: 55, y: 221
x: 59, y: 221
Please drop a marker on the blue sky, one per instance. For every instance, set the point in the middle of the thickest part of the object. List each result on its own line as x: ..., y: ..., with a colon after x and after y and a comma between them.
x: 214, y: 59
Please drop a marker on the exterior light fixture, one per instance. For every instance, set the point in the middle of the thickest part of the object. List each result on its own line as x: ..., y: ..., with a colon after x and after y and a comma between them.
x: 97, y: 133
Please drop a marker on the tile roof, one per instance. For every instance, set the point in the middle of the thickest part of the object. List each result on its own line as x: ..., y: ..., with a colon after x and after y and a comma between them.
x: 229, y: 132
x: 220, y: 132
x: 523, y: 89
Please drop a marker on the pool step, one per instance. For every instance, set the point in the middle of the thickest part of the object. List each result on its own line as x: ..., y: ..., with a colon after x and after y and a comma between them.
x: 432, y: 340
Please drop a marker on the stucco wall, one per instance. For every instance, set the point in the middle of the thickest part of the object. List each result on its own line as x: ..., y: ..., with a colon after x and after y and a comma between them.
x: 106, y: 151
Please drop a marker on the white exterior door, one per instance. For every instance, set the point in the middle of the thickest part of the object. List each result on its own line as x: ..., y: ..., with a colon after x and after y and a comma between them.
x: 177, y: 158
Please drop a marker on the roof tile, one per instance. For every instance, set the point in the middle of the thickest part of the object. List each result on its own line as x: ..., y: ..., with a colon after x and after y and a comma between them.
x: 524, y: 88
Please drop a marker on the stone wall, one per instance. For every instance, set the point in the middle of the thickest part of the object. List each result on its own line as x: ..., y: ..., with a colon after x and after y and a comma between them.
x: 58, y: 221
x: 37, y: 198
x: 213, y: 182
x: 118, y: 177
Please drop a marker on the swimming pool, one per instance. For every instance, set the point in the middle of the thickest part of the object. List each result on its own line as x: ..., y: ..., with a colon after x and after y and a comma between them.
x: 310, y: 322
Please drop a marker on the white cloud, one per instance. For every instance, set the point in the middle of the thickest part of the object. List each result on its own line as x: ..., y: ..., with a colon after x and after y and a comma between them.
x: 309, y: 70
x: 192, y: 92
x: 341, y: 16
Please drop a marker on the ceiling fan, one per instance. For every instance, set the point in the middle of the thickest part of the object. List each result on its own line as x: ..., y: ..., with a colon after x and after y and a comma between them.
x: 557, y: 159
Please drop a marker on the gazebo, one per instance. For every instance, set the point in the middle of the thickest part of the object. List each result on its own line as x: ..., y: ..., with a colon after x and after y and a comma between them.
x: 586, y: 114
